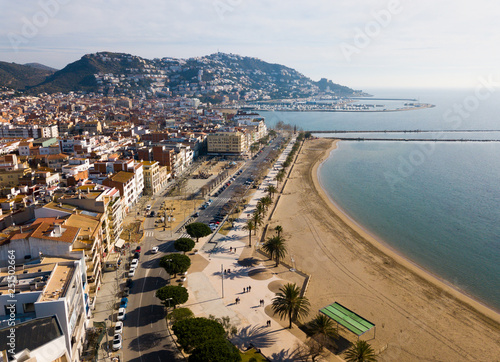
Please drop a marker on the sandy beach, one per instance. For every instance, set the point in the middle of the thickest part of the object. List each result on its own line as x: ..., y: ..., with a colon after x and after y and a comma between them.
x: 417, y: 316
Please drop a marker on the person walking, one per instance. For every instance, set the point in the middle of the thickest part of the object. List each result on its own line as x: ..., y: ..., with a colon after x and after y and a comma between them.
x: 249, y: 288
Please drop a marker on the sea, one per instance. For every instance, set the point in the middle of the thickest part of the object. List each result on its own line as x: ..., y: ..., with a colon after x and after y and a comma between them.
x: 437, y: 203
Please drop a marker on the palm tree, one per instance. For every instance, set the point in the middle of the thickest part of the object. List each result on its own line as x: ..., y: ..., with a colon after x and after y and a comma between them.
x: 361, y: 351
x: 278, y: 229
x: 323, y: 330
x: 249, y: 225
x: 280, y: 175
x: 289, y: 303
x: 271, y: 190
x: 260, y: 208
x: 275, y: 247
x: 257, y: 220
x: 266, y: 201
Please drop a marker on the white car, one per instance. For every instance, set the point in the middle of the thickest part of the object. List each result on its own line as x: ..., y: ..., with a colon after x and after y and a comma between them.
x: 131, y: 272
x: 121, y: 314
x: 119, y: 327
x: 134, y: 263
x: 148, y: 207
x: 117, y: 342
x: 154, y: 250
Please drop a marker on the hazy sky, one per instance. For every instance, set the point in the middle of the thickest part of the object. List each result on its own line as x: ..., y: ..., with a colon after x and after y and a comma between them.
x: 361, y: 44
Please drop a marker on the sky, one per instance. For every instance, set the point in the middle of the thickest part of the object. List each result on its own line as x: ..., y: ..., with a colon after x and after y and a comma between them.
x: 358, y: 43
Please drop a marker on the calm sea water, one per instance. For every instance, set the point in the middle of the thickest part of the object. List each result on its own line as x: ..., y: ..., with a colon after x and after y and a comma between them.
x: 437, y: 203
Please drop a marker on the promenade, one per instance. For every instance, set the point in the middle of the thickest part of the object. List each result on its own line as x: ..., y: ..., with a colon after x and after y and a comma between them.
x: 213, y: 292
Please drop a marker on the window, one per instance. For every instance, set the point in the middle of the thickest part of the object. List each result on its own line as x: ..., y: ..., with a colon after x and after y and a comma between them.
x: 28, y: 307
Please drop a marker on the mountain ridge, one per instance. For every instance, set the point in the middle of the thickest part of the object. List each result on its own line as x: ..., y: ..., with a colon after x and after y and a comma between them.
x: 215, y: 77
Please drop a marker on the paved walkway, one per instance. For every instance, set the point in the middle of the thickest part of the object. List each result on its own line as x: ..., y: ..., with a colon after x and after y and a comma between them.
x: 214, y: 293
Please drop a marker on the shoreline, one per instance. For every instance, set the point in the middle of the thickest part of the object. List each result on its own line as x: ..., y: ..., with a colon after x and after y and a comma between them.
x: 351, y: 110
x: 469, y: 300
x: 417, y: 317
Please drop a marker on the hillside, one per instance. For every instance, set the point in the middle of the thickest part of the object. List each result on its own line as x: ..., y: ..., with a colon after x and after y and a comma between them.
x: 41, y: 66
x: 21, y: 77
x: 214, y: 78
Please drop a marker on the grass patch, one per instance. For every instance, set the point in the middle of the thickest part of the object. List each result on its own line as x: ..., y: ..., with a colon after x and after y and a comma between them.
x: 252, y: 353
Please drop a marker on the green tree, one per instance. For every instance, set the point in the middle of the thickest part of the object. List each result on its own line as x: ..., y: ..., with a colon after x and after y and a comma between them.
x: 254, y: 148
x: 275, y: 247
x: 172, y: 295
x: 361, y: 351
x: 180, y: 314
x: 260, y: 208
x: 215, y: 350
x: 198, y: 230
x: 225, y: 322
x: 257, y: 219
x: 271, y: 190
x: 266, y: 201
x: 184, y: 244
x: 193, y: 332
x: 175, y: 263
x: 280, y: 176
x: 322, y: 329
x: 321, y: 324
x: 289, y: 303
x: 249, y: 225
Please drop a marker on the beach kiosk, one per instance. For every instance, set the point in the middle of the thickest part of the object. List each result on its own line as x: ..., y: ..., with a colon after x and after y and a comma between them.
x: 348, y: 319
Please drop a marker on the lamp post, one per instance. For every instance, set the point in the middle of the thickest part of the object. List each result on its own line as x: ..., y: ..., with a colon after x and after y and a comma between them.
x: 222, y: 275
x: 169, y: 261
x: 168, y: 300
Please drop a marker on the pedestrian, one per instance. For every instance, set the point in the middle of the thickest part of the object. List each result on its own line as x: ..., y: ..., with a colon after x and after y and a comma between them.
x: 229, y: 271
x: 236, y: 301
x: 244, y: 290
x: 249, y: 288
x: 230, y: 249
x: 225, y: 271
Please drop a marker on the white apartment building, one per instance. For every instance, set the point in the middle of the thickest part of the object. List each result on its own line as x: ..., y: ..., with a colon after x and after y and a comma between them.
x: 55, y: 287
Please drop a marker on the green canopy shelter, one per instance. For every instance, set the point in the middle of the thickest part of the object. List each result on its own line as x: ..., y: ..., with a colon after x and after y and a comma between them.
x: 348, y: 319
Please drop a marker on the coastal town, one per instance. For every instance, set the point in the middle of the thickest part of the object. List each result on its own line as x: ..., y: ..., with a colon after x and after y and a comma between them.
x: 129, y: 222
x: 76, y: 173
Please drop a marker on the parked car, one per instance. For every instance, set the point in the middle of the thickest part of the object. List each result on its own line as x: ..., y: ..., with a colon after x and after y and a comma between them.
x: 117, y: 342
x: 148, y: 207
x: 136, y: 255
x: 134, y: 263
x: 118, y: 327
x: 196, y: 214
x: 131, y: 272
x: 121, y: 314
x: 138, y: 249
x: 154, y: 250
x: 124, y: 302
x: 129, y: 283
x: 152, y: 213
x: 126, y: 292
